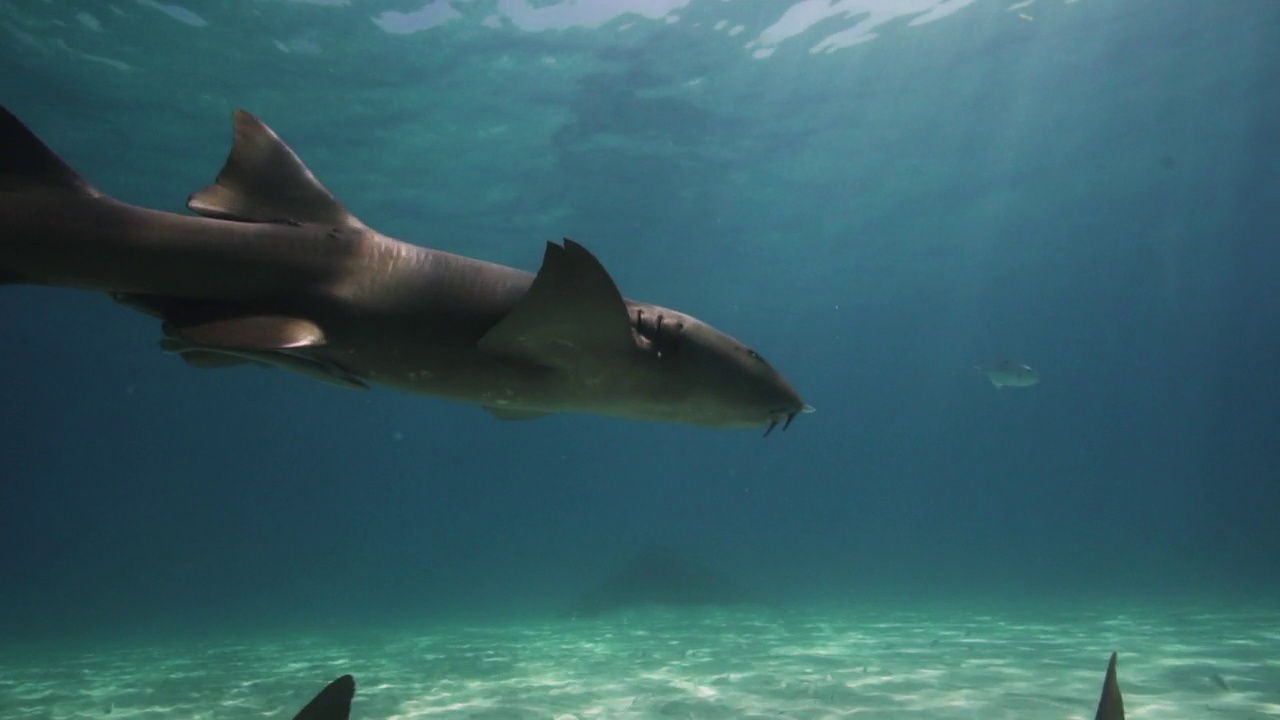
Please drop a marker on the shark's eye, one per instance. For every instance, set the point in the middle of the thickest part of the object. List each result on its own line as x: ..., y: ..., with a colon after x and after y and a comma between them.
x: 754, y: 355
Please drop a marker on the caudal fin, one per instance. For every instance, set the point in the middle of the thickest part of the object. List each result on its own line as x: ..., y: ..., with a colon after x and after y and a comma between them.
x: 333, y: 702
x: 27, y: 165
x: 1110, y: 705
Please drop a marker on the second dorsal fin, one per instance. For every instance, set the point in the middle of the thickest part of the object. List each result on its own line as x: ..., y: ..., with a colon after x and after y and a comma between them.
x: 265, y: 181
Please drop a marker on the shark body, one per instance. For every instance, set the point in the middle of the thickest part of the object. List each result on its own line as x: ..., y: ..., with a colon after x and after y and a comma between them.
x: 274, y: 271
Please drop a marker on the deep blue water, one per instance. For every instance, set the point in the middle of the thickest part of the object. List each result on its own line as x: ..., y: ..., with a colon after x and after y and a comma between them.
x: 1092, y: 189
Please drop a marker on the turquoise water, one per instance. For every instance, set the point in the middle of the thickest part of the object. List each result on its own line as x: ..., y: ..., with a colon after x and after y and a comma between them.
x: 883, y: 197
x: 1185, y: 662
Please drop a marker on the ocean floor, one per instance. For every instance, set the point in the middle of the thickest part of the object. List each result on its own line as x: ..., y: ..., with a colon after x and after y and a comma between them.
x: 697, y: 664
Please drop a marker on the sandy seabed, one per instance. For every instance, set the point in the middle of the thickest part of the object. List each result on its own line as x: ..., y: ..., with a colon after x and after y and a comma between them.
x: 1174, y: 665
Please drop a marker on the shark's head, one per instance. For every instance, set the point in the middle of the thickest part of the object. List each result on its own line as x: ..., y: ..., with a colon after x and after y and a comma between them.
x: 706, y: 377
x: 594, y: 351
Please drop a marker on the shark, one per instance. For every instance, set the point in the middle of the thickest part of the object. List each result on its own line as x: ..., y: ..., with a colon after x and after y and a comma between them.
x: 271, y: 270
x: 334, y: 701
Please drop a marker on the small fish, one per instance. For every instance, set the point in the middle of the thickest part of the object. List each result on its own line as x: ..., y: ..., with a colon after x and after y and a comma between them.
x: 1220, y: 682
x: 1008, y: 373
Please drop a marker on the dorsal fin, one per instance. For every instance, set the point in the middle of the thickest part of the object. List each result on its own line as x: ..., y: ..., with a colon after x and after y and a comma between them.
x: 264, y: 181
x: 1110, y: 705
x: 573, y: 310
x: 27, y: 165
x: 332, y: 703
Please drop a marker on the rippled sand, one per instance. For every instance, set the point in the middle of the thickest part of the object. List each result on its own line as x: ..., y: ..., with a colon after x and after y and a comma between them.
x: 703, y: 664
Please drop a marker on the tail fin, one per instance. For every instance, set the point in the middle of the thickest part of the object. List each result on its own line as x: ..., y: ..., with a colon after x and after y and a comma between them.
x: 28, y: 165
x: 1110, y: 705
x: 333, y: 702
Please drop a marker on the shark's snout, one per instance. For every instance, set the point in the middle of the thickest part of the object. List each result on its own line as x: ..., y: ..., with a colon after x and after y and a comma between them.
x: 785, y: 416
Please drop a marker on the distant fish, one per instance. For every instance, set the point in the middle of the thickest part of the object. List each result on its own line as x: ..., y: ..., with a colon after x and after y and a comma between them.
x: 1220, y: 682
x: 1008, y: 373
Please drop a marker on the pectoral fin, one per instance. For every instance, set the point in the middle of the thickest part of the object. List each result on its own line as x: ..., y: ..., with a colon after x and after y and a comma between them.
x: 325, y: 371
x: 194, y: 357
x: 573, y: 310
x: 255, y: 333
x: 269, y: 341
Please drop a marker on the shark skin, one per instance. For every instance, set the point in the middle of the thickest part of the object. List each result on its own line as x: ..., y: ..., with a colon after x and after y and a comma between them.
x: 331, y: 703
x: 1111, y: 704
x: 273, y: 271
